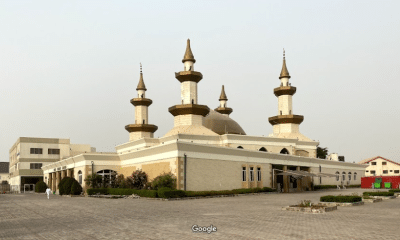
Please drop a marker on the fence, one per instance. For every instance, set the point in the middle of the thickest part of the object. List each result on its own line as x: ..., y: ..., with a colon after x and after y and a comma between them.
x: 4, y: 188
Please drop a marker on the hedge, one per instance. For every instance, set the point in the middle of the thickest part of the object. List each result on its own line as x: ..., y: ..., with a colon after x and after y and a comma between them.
x: 317, y: 187
x: 121, y: 191
x: 40, y: 187
x: 170, y: 193
x: 394, y: 190
x: 378, y: 193
x: 349, y: 199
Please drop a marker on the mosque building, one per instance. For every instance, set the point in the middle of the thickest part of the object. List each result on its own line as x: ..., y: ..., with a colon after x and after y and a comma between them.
x: 207, y: 150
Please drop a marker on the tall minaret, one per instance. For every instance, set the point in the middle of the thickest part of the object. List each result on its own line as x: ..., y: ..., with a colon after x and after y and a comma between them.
x: 223, y: 108
x: 141, y: 128
x: 188, y: 112
x: 285, y: 121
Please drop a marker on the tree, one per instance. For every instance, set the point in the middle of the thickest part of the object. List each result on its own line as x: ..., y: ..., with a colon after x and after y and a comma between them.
x: 322, y: 152
x: 40, y: 187
x: 167, y: 180
x: 76, y: 188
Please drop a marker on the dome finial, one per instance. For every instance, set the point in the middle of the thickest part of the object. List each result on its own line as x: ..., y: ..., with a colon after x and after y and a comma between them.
x: 284, y: 71
x: 188, y: 53
x: 140, y: 67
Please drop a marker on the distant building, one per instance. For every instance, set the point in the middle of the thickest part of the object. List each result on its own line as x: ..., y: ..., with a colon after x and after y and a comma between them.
x: 28, y: 155
x: 4, y: 175
x: 379, y: 166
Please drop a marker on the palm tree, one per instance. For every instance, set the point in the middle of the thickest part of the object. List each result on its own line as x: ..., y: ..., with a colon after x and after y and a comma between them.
x: 322, y: 152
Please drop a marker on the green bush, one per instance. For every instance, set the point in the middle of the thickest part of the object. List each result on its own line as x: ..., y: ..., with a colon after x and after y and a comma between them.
x: 76, y: 188
x: 120, y: 191
x: 137, y: 180
x: 394, y: 190
x: 165, y: 180
x: 318, y: 187
x: 386, y: 194
x: 93, y: 180
x: 347, y: 199
x: 40, y: 187
x: 161, y: 191
x: 67, y: 185
x: 92, y: 191
x: 61, y: 189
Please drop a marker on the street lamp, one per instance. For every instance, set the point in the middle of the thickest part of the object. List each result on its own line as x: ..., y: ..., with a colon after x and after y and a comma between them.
x: 92, y: 168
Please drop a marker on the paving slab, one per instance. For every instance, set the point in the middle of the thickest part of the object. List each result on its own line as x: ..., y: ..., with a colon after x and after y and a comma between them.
x: 33, y: 216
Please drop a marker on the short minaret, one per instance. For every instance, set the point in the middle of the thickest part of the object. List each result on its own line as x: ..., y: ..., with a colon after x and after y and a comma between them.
x: 141, y: 128
x: 188, y: 112
x: 223, y: 108
x: 285, y: 121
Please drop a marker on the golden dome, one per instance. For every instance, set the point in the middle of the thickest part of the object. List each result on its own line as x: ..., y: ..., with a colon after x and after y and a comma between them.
x: 222, y: 124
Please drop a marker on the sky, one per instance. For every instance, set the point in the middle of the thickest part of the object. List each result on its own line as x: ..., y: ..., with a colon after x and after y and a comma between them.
x: 68, y: 69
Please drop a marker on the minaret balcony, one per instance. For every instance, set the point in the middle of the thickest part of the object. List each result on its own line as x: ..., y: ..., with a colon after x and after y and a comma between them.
x: 297, y: 119
x: 141, y: 102
x: 185, y: 109
x: 284, y: 90
x: 192, y: 76
x: 224, y: 110
x: 141, y: 128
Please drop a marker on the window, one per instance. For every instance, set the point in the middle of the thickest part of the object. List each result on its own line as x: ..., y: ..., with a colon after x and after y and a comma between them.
x: 263, y: 149
x: 259, y: 174
x: 385, y: 171
x: 36, y: 150
x: 244, y: 174
x: 366, y: 171
x: 251, y: 174
x: 373, y: 163
x: 337, y: 176
x: 372, y: 172
x: 343, y: 176
x: 36, y: 166
x: 396, y: 171
x: 240, y: 147
x: 355, y: 176
x: 391, y: 171
x: 80, y: 177
x: 349, y: 176
x: 53, y: 151
x: 384, y: 163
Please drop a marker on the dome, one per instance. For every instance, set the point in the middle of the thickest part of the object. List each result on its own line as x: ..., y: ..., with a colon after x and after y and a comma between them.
x: 222, y: 124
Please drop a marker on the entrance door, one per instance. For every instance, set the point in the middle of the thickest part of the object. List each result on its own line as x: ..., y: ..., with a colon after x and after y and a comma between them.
x: 29, y: 188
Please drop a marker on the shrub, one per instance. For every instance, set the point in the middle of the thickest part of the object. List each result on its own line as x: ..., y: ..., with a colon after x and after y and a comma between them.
x: 318, y: 187
x: 61, y: 189
x: 165, y: 180
x: 92, y: 191
x: 386, y: 194
x: 93, y: 180
x: 394, y: 190
x: 137, y: 180
x: 76, y: 188
x: 161, y: 191
x: 349, y: 199
x: 40, y: 187
x: 120, y: 191
x: 67, y: 185
x: 120, y: 181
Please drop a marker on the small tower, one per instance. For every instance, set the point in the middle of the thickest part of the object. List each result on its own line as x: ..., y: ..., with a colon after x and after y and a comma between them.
x: 188, y: 112
x: 285, y: 122
x: 223, y: 108
x: 141, y: 128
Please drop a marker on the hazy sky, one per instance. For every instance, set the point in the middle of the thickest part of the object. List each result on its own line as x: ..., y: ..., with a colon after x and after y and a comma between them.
x: 69, y: 68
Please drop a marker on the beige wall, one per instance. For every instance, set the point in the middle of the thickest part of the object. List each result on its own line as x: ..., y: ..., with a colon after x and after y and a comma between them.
x: 333, y: 181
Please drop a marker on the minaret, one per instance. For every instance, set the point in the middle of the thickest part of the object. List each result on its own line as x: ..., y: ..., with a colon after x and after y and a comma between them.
x: 188, y: 112
x: 285, y: 121
x: 223, y: 108
x: 141, y: 128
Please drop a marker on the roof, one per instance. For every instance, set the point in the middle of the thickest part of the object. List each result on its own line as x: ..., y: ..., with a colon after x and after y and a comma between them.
x: 374, y: 158
x: 4, y: 167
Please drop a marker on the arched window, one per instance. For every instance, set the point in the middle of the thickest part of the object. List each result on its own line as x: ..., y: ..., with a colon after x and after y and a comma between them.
x: 240, y: 147
x: 263, y: 149
x: 337, y: 176
x: 349, y: 176
x: 355, y: 176
x: 80, y: 177
x: 343, y: 176
x: 106, y: 174
x: 284, y: 151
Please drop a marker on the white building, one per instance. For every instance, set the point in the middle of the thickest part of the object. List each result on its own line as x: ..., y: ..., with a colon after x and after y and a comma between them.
x: 29, y: 155
x: 379, y: 166
x: 207, y: 150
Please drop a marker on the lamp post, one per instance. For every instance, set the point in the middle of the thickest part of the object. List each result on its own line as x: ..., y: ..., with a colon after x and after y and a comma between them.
x: 92, y: 168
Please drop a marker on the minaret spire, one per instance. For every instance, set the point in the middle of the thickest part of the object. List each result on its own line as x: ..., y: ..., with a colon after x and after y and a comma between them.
x: 284, y: 71
x: 188, y: 53
x: 223, y: 108
x: 141, y: 85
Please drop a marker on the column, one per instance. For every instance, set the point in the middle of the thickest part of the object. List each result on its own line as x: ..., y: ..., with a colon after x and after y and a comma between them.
x: 68, y: 172
x: 299, y: 181
x: 49, y: 181
x: 285, y: 180
x: 54, y: 183
x: 62, y: 174
x: 58, y: 176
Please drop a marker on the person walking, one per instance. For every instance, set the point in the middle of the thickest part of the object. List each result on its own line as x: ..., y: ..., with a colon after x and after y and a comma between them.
x: 48, y: 191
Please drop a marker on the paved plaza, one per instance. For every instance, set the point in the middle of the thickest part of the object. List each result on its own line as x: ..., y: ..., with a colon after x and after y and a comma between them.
x: 33, y: 216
